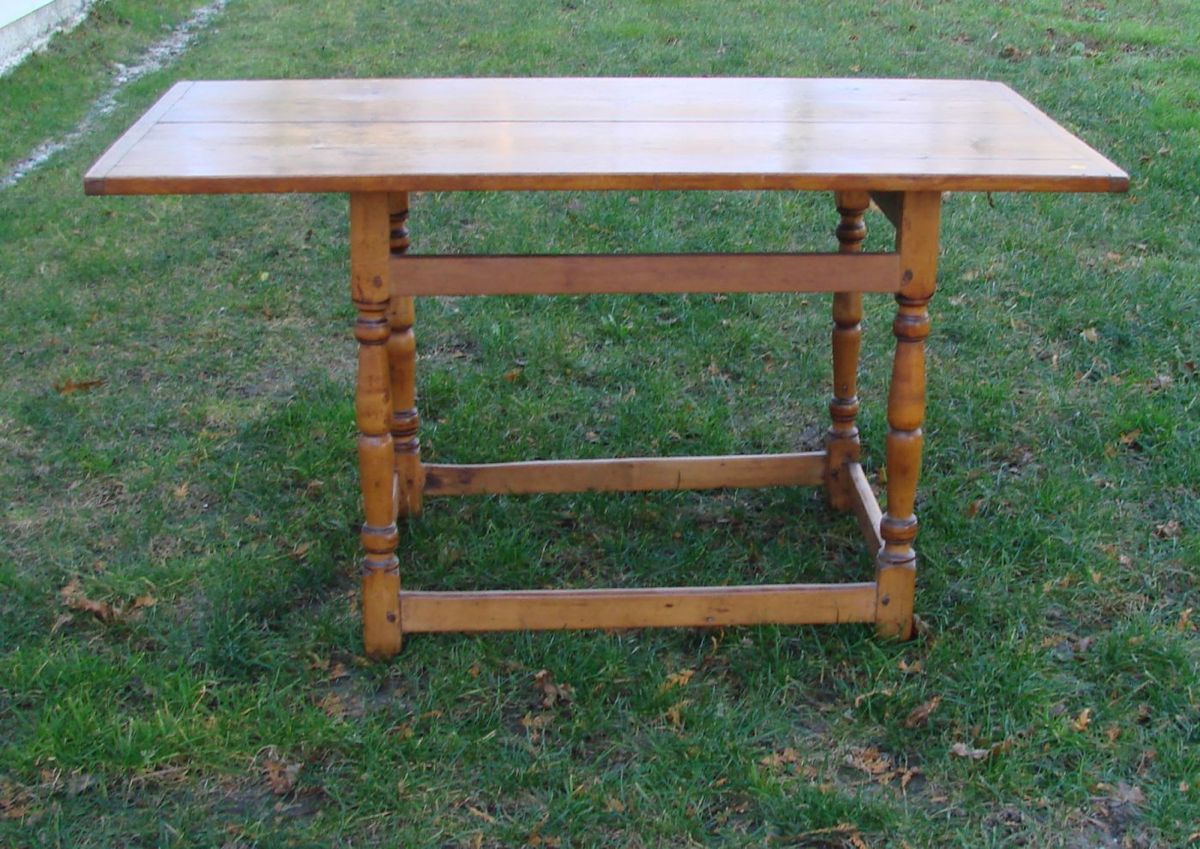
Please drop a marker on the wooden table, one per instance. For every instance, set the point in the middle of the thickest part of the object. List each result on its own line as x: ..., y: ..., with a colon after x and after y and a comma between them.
x: 898, y: 143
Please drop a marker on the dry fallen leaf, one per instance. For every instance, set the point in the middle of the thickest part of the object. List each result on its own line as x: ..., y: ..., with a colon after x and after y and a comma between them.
x: 550, y: 692
x: 1127, y: 794
x: 674, y: 714
x: 281, y: 776
x: 73, y: 597
x: 1185, y: 622
x: 1159, y: 382
x: 870, y: 760
x: 1168, y: 530
x: 536, y: 838
x: 69, y: 386
x: 776, y: 759
x: 14, y: 801
x: 513, y: 375
x: 331, y: 705
x: 1082, y: 721
x: 841, y: 835
x: 677, y: 679
x: 1090, y: 335
x: 862, y: 697
x: 920, y: 714
x: 483, y: 815
x: 536, y: 724
x: 962, y: 750
x: 907, y: 775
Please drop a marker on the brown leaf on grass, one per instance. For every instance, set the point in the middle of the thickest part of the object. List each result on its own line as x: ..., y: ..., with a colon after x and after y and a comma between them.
x: 332, y: 706
x: 840, y: 836
x: 73, y: 597
x: 1127, y: 794
x: 404, y: 731
x: 778, y: 759
x: 551, y: 693
x: 1168, y: 530
x: 69, y: 386
x: 14, y: 801
x: 677, y: 679
x: 1159, y: 382
x: 1083, y: 720
x: 907, y: 775
x: 920, y: 714
x: 281, y: 776
x: 871, y: 761
x: 1185, y: 622
x: 921, y: 628
x: 862, y: 697
x: 513, y: 375
x: 536, y: 838
x: 536, y: 724
x: 1130, y: 439
x: 962, y: 750
x: 674, y: 714
x: 483, y: 815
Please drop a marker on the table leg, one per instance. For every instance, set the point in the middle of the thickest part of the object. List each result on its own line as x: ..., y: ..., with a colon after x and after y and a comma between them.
x: 841, y: 441
x: 402, y: 356
x: 895, y: 575
x: 370, y: 290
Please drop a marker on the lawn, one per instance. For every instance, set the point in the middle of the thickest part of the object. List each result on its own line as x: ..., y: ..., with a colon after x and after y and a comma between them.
x: 180, y: 657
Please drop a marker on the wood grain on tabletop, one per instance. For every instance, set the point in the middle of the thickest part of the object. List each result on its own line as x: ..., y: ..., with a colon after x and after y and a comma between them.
x: 606, y: 133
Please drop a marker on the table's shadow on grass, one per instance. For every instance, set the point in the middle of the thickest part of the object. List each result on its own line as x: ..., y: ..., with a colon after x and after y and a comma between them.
x: 284, y: 559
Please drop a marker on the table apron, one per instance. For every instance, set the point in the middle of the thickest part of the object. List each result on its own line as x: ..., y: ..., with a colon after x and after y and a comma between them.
x: 644, y: 273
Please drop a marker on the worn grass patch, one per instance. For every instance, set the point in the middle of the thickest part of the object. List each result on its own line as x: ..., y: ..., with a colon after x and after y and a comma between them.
x: 179, y: 649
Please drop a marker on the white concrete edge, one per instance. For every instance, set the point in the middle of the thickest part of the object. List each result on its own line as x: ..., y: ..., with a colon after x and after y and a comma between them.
x: 33, y: 30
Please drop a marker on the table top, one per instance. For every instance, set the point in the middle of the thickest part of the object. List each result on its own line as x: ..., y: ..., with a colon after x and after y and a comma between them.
x: 596, y: 134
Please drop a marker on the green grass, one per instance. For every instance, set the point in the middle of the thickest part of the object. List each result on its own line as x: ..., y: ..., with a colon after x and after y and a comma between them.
x: 214, y: 470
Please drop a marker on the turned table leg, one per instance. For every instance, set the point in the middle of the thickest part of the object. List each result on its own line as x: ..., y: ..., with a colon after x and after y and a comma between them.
x: 402, y: 355
x: 370, y: 290
x: 896, y: 566
x: 841, y: 441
